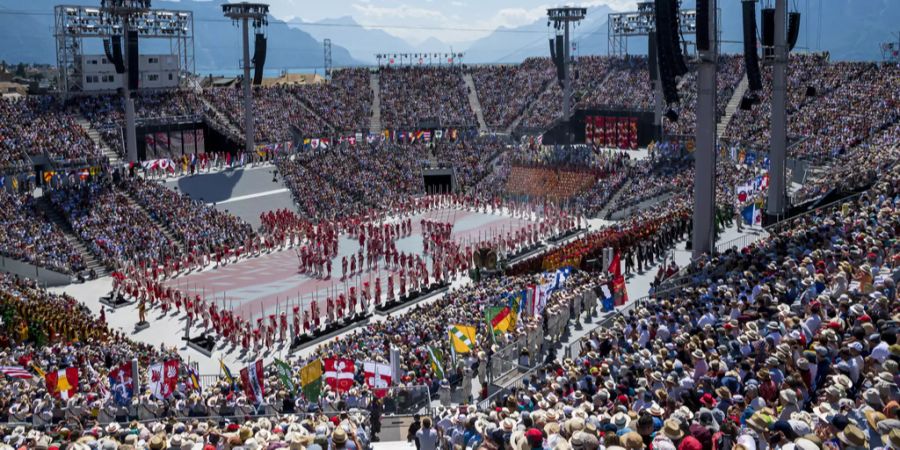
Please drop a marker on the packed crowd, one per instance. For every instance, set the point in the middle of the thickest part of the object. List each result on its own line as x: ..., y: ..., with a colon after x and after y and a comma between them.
x: 344, y: 101
x: 202, y: 228
x: 27, y: 234
x: 504, y: 91
x: 729, y: 72
x: 41, y: 125
x: 276, y: 110
x: 114, y: 228
x: 413, y: 95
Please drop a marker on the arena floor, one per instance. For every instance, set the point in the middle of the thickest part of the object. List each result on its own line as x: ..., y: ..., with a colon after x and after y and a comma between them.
x: 259, y: 285
x: 246, y: 192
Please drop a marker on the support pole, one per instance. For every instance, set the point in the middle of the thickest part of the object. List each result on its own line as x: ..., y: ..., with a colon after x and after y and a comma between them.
x: 778, y: 145
x: 248, y: 96
x: 705, y: 153
x: 130, y: 132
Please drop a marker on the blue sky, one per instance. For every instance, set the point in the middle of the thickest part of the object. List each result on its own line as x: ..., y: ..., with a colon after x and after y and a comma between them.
x: 451, y: 21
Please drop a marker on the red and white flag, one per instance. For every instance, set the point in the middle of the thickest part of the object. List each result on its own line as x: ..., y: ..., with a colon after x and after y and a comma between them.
x: 63, y: 383
x: 252, y: 378
x: 339, y: 373
x: 378, y: 377
x: 16, y: 372
x: 163, y: 378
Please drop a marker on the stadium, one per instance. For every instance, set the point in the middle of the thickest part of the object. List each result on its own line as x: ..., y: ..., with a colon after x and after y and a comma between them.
x: 674, y: 247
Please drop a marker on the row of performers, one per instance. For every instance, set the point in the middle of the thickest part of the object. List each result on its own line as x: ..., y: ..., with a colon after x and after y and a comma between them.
x: 306, y: 318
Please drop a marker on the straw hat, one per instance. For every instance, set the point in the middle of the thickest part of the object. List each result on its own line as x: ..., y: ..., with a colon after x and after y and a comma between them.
x: 853, y: 436
x: 672, y: 430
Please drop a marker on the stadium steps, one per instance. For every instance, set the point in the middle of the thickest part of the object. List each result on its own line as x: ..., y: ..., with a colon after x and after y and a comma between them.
x: 166, y: 231
x: 92, y: 133
x: 90, y: 259
x: 615, y: 197
x: 732, y: 106
x: 375, y: 118
x: 515, y: 123
x: 474, y: 103
x: 218, y: 120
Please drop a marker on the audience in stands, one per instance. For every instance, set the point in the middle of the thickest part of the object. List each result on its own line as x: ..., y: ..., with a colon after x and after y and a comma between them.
x: 27, y: 234
x: 411, y: 96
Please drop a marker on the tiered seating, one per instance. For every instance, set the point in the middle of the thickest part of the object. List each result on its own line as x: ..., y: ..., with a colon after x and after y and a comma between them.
x: 505, y: 90
x: 38, y: 125
x: 200, y: 227
x: 26, y: 234
x: 547, y: 182
x: 344, y: 102
x: 413, y: 94
x: 113, y: 228
x: 276, y: 110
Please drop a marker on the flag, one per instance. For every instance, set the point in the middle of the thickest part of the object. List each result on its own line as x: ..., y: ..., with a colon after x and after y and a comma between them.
x: 462, y: 338
x: 163, y: 378
x: 16, y: 372
x: 311, y: 380
x: 615, y: 266
x: 436, y: 358
x: 608, y: 300
x: 516, y: 305
x: 743, y: 192
x: 252, y: 378
x: 195, y: 380
x: 498, y: 318
x: 38, y: 370
x: 226, y: 373
x: 619, y: 291
x: 378, y: 377
x: 561, y: 276
x: 395, y: 363
x: 63, y: 383
x: 540, y: 296
x: 752, y: 215
x: 285, y: 375
x: 121, y: 383
x: 339, y: 373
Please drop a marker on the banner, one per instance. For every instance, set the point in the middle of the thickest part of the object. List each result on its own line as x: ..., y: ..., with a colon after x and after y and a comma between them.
x: 339, y: 373
x: 311, y: 380
x: 163, y: 379
x: 253, y: 380
x: 121, y: 384
x: 284, y: 374
x: 378, y: 377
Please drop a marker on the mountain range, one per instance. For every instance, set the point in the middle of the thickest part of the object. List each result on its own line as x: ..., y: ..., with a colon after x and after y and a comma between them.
x: 848, y: 29
x: 27, y: 32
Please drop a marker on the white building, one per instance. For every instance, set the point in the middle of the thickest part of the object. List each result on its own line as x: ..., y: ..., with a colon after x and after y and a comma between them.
x: 156, y: 72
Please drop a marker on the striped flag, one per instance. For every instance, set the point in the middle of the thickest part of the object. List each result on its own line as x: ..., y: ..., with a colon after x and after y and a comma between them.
x: 195, y: 379
x: 226, y: 373
x: 436, y: 357
x: 498, y: 318
x: 462, y: 338
x: 252, y: 378
x: 16, y: 372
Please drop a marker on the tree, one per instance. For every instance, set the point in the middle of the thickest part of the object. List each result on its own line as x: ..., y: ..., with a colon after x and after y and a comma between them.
x: 20, y: 70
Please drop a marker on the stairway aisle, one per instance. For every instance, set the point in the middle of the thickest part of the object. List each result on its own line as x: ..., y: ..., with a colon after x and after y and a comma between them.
x: 92, y: 133
x: 168, y: 233
x: 474, y: 103
x: 375, y: 118
x: 732, y: 106
x: 91, y: 261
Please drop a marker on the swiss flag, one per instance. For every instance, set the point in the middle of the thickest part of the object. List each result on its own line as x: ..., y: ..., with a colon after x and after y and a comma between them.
x: 378, y: 377
x: 339, y: 373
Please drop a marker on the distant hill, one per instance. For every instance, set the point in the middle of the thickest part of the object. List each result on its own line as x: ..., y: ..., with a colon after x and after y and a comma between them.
x: 28, y: 37
x: 849, y: 29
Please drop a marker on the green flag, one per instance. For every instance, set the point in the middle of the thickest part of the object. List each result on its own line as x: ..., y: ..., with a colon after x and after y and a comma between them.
x: 436, y: 357
x: 311, y: 380
x: 284, y: 373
